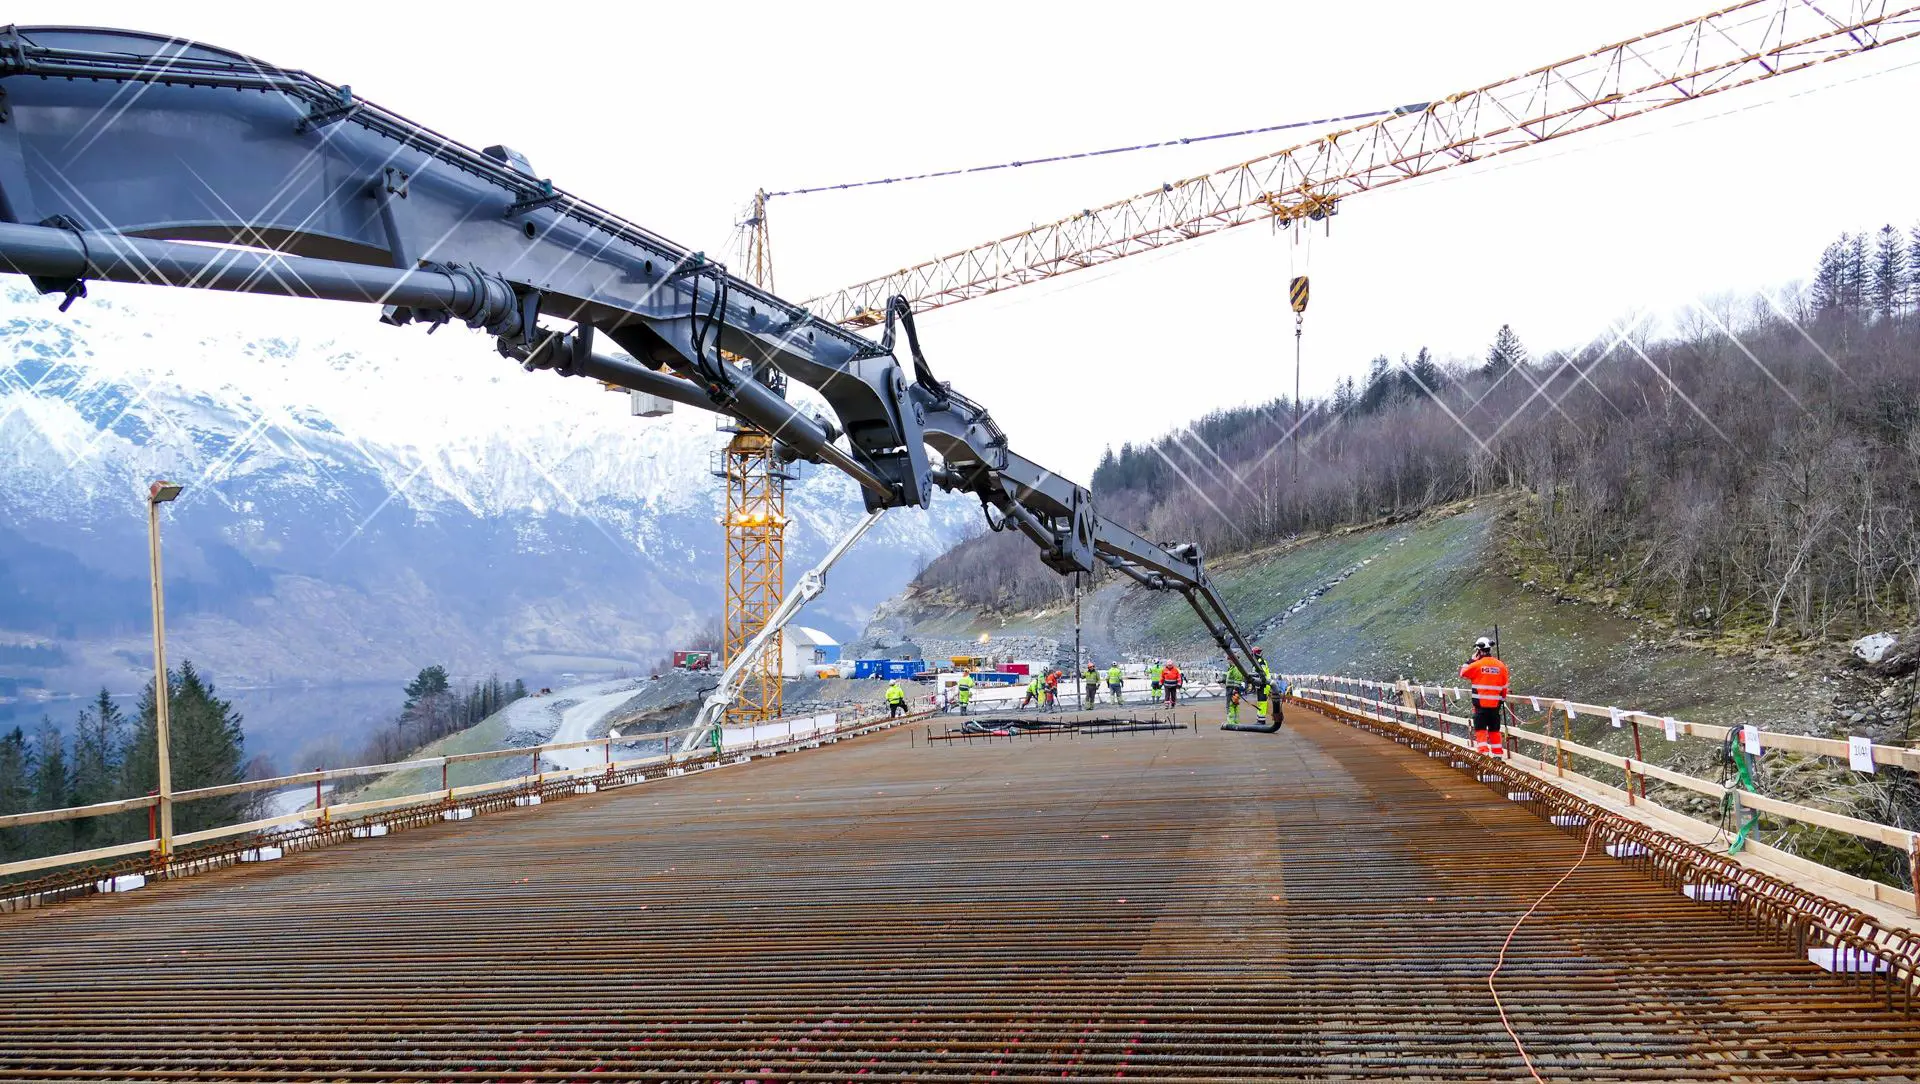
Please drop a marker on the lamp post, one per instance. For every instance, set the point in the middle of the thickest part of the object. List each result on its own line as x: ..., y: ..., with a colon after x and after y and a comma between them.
x: 158, y: 494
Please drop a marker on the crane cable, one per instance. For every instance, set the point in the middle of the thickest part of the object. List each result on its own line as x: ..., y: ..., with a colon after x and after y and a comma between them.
x: 1585, y: 849
x: 1050, y: 159
x: 1297, y: 299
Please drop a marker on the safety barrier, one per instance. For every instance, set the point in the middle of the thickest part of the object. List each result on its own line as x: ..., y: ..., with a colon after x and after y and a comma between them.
x: 1845, y: 940
x: 322, y: 824
x: 1406, y: 703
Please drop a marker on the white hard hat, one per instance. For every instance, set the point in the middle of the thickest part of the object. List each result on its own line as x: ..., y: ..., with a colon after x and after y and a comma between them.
x: 1483, y: 644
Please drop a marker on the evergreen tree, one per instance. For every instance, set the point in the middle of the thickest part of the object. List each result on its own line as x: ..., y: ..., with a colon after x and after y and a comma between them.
x: 1344, y: 396
x: 1887, y: 280
x: 207, y: 748
x: 99, y: 743
x: 139, y: 767
x: 1505, y: 354
x: 1425, y: 375
x: 1379, y: 385
x: 519, y: 688
x: 1830, y: 279
x: 16, y: 789
x: 432, y: 709
x: 1853, y: 296
x: 430, y: 682
x: 1913, y: 268
x: 50, y: 788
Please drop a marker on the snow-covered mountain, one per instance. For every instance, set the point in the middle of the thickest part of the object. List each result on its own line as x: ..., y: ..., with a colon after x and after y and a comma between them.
x: 360, y: 501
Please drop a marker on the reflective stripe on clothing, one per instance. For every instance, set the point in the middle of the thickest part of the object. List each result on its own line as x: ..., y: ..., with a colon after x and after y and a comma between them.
x: 1489, y: 678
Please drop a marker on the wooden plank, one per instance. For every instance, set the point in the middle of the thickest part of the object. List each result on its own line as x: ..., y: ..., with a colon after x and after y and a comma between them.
x: 1853, y: 826
x: 74, y: 813
x: 74, y: 858
x: 1834, y: 748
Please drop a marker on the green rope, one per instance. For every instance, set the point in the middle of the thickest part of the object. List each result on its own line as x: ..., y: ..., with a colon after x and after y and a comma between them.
x: 1746, y: 769
x: 1746, y: 829
x: 1752, y: 819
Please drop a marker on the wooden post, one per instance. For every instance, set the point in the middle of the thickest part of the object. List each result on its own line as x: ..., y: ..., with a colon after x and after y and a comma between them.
x: 1638, y: 757
x: 1566, y: 734
x: 1913, y: 870
x: 163, y: 736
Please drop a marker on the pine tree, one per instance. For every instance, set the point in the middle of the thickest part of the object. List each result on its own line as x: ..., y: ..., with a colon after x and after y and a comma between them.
x: 50, y: 788
x: 1379, y: 385
x: 16, y: 789
x: 1424, y: 376
x: 1887, y: 280
x: 139, y: 767
x: 209, y: 750
x: 1830, y: 279
x: 431, y: 681
x: 99, y: 743
x: 1344, y: 396
x: 1913, y: 268
x: 1505, y: 354
x: 1853, y: 295
x: 519, y: 688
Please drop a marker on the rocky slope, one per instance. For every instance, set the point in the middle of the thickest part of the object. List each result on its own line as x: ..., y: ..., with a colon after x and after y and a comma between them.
x: 1407, y: 599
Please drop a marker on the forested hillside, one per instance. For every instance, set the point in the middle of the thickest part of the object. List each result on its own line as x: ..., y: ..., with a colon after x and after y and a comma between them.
x: 1756, y: 466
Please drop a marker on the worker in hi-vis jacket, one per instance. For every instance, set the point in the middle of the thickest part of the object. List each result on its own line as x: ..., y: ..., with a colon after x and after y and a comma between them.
x: 1490, y: 680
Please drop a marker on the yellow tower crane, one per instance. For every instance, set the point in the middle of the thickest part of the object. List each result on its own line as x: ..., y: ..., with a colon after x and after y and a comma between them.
x: 1734, y: 46
x: 755, y: 520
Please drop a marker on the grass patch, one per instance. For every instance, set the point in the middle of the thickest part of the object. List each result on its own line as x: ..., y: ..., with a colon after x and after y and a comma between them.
x: 489, y: 733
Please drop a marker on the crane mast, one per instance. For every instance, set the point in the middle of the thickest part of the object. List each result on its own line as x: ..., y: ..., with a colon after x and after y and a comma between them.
x: 755, y: 522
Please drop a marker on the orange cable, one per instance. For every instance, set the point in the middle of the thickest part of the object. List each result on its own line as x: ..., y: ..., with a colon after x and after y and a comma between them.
x: 1501, y: 962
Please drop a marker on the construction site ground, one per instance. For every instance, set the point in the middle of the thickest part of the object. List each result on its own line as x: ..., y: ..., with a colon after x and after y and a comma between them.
x: 1167, y: 905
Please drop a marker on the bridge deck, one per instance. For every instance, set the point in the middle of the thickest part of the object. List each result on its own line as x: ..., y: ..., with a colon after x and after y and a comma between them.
x: 1169, y: 906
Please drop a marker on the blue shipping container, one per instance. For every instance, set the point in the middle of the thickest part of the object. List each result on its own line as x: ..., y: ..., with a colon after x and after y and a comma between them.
x: 868, y: 668
x: 896, y: 669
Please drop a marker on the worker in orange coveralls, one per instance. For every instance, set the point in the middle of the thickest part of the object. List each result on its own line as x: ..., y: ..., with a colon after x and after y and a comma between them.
x: 1170, y: 683
x: 1490, y: 680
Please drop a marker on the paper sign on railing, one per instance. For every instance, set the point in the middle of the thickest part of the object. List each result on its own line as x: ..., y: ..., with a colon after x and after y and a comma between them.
x: 1614, y: 714
x: 1750, y: 738
x: 1860, y: 753
x: 1535, y: 701
x: 1673, y: 729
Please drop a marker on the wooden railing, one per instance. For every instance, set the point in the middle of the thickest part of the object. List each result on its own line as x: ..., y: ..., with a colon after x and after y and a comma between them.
x: 323, y: 812
x: 1414, y: 705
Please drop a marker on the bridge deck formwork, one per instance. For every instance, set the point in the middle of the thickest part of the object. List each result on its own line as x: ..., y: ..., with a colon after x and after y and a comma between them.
x: 1150, y: 904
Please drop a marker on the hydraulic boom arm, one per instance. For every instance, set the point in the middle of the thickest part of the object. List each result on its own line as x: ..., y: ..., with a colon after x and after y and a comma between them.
x: 130, y: 157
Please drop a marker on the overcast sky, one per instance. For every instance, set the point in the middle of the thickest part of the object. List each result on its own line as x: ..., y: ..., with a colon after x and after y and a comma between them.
x: 673, y: 114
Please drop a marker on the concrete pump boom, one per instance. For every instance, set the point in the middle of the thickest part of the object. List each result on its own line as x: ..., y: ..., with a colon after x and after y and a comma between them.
x: 131, y: 157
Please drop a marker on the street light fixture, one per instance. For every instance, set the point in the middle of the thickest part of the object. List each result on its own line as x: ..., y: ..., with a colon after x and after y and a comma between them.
x: 160, y: 493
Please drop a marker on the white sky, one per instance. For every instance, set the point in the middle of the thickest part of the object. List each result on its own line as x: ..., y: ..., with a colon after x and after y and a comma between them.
x: 673, y: 114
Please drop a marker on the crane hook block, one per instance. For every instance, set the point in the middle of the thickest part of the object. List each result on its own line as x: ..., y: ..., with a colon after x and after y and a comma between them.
x: 1297, y: 293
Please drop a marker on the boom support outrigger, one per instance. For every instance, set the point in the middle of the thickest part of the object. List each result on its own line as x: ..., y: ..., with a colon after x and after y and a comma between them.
x: 130, y: 157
